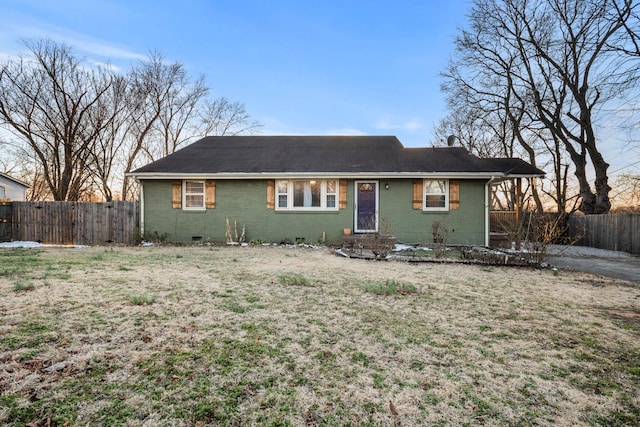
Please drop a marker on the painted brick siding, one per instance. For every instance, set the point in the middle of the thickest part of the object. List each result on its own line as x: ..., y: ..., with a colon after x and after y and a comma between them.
x: 465, y: 225
x: 244, y: 201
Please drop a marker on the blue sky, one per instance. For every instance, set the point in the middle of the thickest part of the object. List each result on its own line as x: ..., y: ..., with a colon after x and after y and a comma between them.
x: 300, y: 67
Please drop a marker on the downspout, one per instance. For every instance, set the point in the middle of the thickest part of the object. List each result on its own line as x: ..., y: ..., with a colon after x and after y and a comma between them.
x: 141, y: 210
x: 487, y: 208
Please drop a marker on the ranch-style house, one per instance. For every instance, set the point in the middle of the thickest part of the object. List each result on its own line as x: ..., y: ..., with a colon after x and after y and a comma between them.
x: 316, y: 188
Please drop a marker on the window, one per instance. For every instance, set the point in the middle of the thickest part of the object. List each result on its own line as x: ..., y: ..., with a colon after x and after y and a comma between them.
x: 331, y: 194
x: 436, y: 194
x: 2, y: 192
x: 193, y: 195
x: 307, y: 194
x: 283, y: 194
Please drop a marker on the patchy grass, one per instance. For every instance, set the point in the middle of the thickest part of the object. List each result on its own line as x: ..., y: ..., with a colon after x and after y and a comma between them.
x: 390, y: 287
x: 23, y: 285
x: 275, y: 336
x: 142, y: 300
x: 293, y: 279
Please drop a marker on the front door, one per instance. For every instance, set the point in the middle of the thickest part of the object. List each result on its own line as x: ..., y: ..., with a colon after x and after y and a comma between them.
x: 366, y: 206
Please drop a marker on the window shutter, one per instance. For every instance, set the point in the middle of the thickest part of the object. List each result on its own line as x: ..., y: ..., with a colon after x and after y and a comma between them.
x: 210, y: 194
x: 176, y: 198
x: 417, y: 194
x: 454, y: 195
x: 271, y: 194
x: 343, y: 194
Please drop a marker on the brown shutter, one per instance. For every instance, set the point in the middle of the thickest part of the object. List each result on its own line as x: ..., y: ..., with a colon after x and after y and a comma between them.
x: 343, y: 194
x: 454, y: 195
x: 271, y: 194
x: 176, y: 195
x: 417, y: 194
x: 210, y: 194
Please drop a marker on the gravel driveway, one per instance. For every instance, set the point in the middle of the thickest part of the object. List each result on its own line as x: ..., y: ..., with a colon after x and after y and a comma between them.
x: 615, y: 264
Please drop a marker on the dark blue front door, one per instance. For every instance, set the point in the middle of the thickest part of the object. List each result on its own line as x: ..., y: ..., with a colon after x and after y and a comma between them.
x: 366, y: 216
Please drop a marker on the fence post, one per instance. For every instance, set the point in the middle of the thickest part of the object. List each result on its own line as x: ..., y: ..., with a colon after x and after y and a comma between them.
x: 6, y: 209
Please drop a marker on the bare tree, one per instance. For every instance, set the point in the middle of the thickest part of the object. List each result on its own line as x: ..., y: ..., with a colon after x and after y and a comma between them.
x: 174, y: 98
x: 163, y: 106
x: 628, y: 192
x: 53, y: 103
x: 472, y: 129
x: 550, y: 65
x: 223, y: 117
x: 108, y: 148
x: 152, y: 84
x: 171, y: 110
x: 480, y: 100
x: 629, y: 42
x: 88, y: 127
x: 21, y: 164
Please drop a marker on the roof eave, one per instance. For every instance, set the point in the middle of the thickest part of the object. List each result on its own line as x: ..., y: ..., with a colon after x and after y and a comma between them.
x: 505, y: 176
x: 358, y: 175
x: 17, y: 181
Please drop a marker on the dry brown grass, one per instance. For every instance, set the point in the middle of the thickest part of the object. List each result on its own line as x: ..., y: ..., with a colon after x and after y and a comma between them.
x: 279, y: 336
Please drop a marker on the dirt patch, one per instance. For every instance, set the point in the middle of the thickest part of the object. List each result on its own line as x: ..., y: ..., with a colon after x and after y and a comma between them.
x: 629, y: 316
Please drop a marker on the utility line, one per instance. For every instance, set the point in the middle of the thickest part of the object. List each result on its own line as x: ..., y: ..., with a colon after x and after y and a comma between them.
x: 623, y: 167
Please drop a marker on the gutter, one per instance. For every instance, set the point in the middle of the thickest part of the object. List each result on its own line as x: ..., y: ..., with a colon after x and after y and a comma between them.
x: 302, y: 175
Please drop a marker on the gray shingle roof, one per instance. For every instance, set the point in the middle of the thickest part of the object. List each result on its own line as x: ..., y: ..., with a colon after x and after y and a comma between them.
x: 229, y: 155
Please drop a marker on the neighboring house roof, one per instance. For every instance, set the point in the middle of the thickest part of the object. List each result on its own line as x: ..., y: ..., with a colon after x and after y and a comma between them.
x: 10, y: 178
x: 260, y: 156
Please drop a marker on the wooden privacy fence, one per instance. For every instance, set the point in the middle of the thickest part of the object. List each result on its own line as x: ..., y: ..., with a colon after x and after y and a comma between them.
x: 78, y: 223
x: 616, y: 232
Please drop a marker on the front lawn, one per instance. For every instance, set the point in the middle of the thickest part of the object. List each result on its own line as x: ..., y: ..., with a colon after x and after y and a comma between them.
x: 194, y: 336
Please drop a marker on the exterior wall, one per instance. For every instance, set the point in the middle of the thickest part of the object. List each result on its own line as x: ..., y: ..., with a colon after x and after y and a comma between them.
x: 12, y: 190
x: 464, y: 226
x: 244, y: 201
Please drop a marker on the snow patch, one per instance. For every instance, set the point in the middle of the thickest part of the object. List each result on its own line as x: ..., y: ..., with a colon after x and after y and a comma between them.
x: 25, y: 244
x: 20, y: 244
x: 399, y: 247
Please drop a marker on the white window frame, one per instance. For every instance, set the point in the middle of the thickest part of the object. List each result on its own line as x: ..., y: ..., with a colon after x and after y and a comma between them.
x: 185, y: 194
x: 425, y: 193
x: 289, y: 194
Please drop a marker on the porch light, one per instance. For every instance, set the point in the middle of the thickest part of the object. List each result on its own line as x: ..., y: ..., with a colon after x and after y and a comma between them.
x: 386, y: 185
